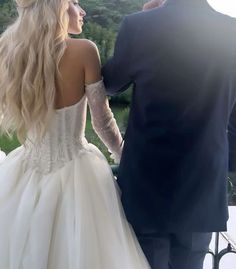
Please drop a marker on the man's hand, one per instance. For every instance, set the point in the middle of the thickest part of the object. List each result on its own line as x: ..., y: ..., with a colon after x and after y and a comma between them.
x: 152, y: 4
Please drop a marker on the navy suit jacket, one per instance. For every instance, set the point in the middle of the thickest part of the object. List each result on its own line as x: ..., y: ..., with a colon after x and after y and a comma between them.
x: 181, y: 60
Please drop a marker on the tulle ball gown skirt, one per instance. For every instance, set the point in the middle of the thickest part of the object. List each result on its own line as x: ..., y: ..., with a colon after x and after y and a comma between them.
x: 69, y: 218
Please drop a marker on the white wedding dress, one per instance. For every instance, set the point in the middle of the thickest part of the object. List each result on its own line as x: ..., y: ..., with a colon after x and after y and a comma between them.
x: 59, y: 203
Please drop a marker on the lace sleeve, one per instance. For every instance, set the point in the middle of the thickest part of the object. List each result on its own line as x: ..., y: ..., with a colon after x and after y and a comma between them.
x: 103, y: 120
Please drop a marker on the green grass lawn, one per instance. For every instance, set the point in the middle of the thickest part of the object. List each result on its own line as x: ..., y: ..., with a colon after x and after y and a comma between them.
x: 7, y: 144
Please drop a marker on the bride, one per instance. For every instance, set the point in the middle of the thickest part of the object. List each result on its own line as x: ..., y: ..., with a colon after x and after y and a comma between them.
x: 59, y: 204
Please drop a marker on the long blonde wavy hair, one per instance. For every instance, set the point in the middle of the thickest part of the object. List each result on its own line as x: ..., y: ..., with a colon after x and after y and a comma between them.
x: 30, y: 52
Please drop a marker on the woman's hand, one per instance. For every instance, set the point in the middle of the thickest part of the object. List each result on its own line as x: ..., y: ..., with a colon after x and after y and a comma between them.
x: 152, y: 4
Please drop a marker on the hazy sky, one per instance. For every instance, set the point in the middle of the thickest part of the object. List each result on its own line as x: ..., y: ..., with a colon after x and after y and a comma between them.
x: 225, y: 6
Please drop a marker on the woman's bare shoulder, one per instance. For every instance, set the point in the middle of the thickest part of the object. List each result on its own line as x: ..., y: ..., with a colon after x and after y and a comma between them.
x: 82, y: 47
x: 84, y: 52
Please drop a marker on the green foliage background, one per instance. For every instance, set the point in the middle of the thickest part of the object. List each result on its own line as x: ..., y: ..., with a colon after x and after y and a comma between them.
x: 101, y: 25
x: 102, y: 20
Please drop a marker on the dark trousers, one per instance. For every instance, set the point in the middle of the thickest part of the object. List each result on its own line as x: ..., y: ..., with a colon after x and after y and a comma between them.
x: 176, y: 250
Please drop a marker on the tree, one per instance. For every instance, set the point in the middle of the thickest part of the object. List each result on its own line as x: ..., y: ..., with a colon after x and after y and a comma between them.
x: 7, y: 13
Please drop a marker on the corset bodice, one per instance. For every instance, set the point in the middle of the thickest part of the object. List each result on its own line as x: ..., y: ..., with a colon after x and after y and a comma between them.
x: 65, y: 137
x: 63, y: 140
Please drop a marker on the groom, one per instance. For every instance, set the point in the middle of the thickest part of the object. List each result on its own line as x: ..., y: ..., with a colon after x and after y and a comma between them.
x: 180, y: 59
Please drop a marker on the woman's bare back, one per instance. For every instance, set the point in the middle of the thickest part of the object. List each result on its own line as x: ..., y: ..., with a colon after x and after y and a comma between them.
x: 79, y: 66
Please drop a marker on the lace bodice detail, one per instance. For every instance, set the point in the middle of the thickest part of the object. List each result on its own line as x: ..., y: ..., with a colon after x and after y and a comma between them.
x: 65, y: 137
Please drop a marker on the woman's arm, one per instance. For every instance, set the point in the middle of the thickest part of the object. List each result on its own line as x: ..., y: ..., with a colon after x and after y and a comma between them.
x: 102, y: 117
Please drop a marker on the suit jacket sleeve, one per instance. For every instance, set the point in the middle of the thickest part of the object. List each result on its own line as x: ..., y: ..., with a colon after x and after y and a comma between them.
x: 232, y: 140
x: 116, y: 73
